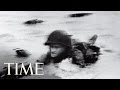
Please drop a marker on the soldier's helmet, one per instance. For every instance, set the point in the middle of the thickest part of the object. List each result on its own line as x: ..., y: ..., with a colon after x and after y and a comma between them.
x: 59, y: 37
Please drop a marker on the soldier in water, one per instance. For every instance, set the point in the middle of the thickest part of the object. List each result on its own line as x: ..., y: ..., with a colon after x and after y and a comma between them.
x: 60, y: 47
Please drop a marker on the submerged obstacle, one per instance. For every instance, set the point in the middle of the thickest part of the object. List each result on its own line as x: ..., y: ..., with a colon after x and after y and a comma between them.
x: 21, y: 52
x: 34, y: 21
x: 79, y: 14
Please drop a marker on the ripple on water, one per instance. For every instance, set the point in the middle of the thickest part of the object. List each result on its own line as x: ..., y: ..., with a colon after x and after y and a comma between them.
x: 108, y: 51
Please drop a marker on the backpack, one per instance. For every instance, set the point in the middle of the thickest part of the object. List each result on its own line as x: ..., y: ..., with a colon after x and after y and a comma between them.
x: 85, y: 53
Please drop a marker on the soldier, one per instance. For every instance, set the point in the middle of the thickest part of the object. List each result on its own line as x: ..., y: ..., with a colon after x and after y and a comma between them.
x: 60, y: 47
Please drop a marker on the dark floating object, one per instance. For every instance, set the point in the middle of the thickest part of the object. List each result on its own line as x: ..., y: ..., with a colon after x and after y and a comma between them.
x: 34, y: 21
x: 79, y: 14
x: 21, y: 52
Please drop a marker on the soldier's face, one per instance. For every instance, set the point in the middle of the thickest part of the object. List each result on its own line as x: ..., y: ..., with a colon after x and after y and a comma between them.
x: 56, y: 49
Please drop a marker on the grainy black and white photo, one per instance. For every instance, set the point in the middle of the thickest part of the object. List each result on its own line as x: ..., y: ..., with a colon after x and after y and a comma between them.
x: 59, y: 44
